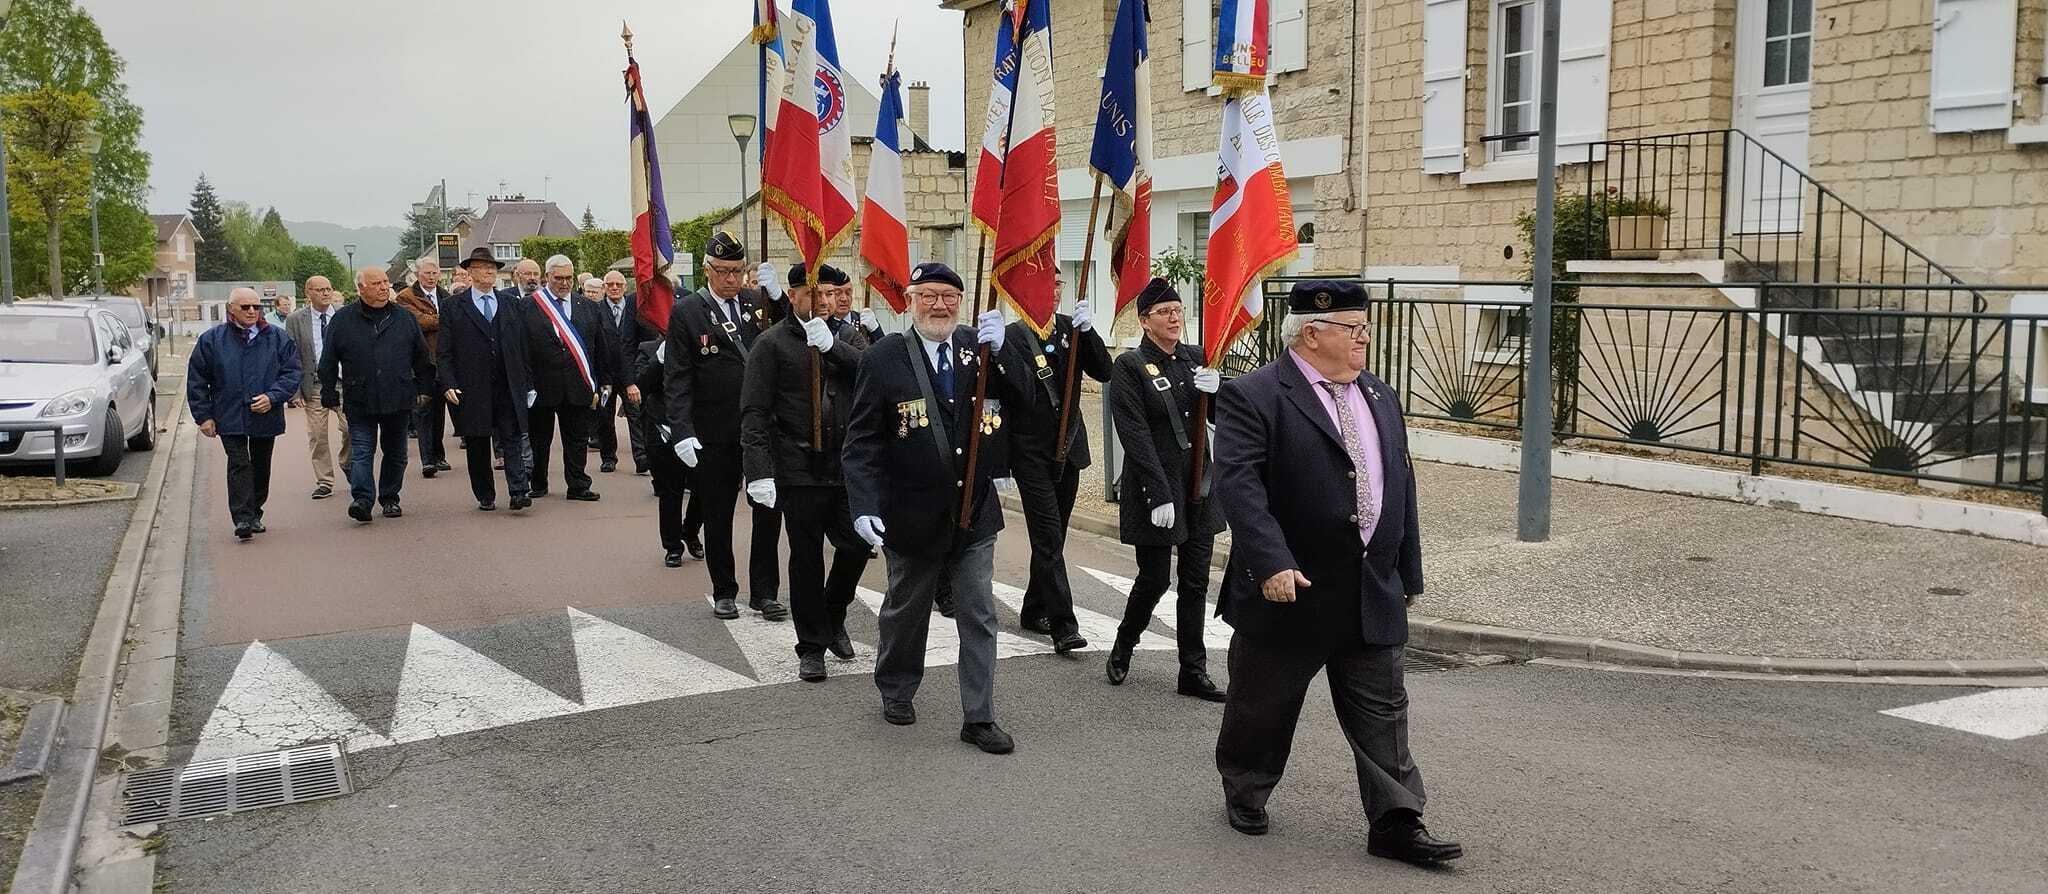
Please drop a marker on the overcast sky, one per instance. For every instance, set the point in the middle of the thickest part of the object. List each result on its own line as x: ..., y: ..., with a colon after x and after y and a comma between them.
x: 350, y: 111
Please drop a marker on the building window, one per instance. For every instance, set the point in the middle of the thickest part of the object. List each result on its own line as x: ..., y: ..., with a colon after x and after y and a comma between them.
x: 184, y: 248
x: 1788, y: 41
x: 505, y: 251
x: 1517, y: 39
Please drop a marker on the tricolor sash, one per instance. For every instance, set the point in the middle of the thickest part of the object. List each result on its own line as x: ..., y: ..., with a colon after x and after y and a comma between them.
x: 567, y: 333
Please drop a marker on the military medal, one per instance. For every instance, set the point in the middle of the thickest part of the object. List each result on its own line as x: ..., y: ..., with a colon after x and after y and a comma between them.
x: 1151, y: 369
x: 703, y: 344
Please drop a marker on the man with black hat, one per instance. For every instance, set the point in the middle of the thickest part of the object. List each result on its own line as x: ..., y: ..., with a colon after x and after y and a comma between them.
x: 793, y: 412
x: 1048, y: 477
x: 1152, y: 399
x: 1312, y: 469
x: 709, y: 333
x: 486, y: 380
x: 905, y: 469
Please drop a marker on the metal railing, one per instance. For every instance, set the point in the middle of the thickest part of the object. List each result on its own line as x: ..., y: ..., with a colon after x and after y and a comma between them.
x: 1954, y: 397
x: 1725, y: 192
x: 24, y: 429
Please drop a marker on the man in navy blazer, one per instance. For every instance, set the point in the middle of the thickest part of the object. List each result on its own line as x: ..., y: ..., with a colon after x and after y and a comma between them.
x: 1313, y: 473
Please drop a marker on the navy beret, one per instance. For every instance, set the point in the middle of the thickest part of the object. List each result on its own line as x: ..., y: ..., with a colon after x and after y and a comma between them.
x: 724, y: 247
x: 1321, y: 296
x: 934, y: 271
x: 828, y: 275
x: 1158, y: 291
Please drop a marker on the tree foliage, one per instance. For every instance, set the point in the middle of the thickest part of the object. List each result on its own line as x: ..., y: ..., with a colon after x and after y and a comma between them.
x: 425, y: 222
x: 597, y: 250
x: 589, y: 219
x: 218, y: 261
x: 316, y: 260
x: 266, y: 247
x: 127, y: 238
x: 540, y: 248
x: 1578, y: 232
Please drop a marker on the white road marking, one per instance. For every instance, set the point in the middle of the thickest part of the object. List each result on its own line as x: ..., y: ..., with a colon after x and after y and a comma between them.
x: 1097, y: 628
x: 1998, y: 713
x: 1215, y: 634
x: 269, y: 704
x: 619, y: 666
x: 942, y: 637
x: 448, y: 688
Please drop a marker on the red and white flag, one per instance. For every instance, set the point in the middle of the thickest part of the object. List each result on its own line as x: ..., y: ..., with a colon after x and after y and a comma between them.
x: 1122, y: 153
x: 1026, y: 270
x: 987, y: 202
x: 653, y: 243
x: 807, y: 178
x: 1251, y: 224
x: 884, y: 240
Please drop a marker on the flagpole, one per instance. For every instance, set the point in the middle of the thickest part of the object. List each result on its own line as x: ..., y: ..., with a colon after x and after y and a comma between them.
x: 1068, y: 389
x: 981, y: 355
x: 761, y: 115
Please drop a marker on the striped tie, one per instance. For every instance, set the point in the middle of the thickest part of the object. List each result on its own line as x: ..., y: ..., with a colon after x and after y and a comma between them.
x: 1352, y: 445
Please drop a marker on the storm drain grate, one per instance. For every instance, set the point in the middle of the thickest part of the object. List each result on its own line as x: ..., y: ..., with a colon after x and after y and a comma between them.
x: 235, y: 784
x: 1416, y: 661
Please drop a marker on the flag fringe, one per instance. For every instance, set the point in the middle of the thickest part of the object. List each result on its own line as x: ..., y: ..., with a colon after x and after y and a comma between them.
x: 1237, y: 304
x: 763, y: 33
x: 1237, y: 83
x: 1017, y: 259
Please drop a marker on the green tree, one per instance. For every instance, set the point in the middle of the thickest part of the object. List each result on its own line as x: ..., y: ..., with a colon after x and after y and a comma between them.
x: 597, y: 250
x: 218, y: 261
x: 692, y: 234
x: 589, y: 219
x: 58, y: 73
x: 127, y: 238
x: 540, y: 248
x: 269, y: 251
x: 424, y: 222
x: 314, y: 260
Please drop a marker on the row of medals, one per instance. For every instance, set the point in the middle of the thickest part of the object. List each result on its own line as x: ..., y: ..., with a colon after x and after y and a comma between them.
x: 914, y: 414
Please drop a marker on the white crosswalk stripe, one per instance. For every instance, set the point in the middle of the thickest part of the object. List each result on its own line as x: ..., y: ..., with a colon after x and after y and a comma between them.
x: 626, y: 667
x: 1097, y: 628
x: 1997, y: 713
x: 1215, y: 634
x: 447, y: 689
x: 270, y: 701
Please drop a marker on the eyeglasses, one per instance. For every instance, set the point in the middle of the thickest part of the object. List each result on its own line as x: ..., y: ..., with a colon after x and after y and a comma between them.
x: 728, y: 271
x: 1169, y: 313
x: 246, y: 306
x: 936, y: 296
x: 1358, y: 331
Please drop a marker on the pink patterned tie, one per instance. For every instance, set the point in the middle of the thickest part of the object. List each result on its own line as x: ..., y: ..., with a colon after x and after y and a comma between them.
x: 1352, y: 445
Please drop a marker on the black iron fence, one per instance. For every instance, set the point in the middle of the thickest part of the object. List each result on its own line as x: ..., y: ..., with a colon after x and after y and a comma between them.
x: 1723, y: 370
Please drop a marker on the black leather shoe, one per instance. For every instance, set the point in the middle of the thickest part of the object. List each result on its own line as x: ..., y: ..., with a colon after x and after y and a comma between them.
x: 1249, y: 820
x: 1035, y: 624
x: 1119, y: 665
x: 639, y: 468
x: 391, y: 510
x: 610, y: 465
x: 537, y: 493
x: 487, y: 505
x: 842, y: 645
x: 242, y: 532
x: 810, y: 668
x: 945, y: 607
x: 360, y: 512
x: 1410, y: 842
x: 899, y: 713
x: 725, y: 610
x: 584, y: 496
x: 429, y: 470
x: 674, y: 559
x: 256, y: 527
x: 519, y: 503
x: 695, y: 546
x: 769, y: 608
x: 987, y: 737
x: 1068, y: 642
x: 1201, y: 687
x: 441, y: 465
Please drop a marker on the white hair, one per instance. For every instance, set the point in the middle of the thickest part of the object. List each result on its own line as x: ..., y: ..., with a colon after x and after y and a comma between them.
x: 1294, y: 323
x: 558, y: 261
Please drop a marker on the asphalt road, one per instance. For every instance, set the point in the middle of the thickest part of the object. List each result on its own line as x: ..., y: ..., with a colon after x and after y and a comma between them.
x: 444, y: 649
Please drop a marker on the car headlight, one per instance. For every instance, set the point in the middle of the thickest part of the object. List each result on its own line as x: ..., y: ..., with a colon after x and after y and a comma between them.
x: 73, y: 403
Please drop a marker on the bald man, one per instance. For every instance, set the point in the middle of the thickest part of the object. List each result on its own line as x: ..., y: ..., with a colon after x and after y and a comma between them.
x: 308, y: 328
x: 239, y: 373
x: 526, y: 277
x: 376, y: 347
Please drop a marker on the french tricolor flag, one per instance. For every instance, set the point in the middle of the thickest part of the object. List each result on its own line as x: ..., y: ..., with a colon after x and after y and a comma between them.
x: 653, y: 244
x: 1251, y: 224
x: 884, y: 240
x: 807, y: 178
x: 987, y: 203
x: 1025, y: 267
x: 1242, y: 46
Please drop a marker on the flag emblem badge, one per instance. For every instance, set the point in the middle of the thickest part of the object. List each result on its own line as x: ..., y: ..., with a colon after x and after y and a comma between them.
x: 831, y: 99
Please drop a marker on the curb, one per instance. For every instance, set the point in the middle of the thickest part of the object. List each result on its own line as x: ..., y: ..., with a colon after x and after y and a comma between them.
x: 128, y: 492
x: 38, y: 740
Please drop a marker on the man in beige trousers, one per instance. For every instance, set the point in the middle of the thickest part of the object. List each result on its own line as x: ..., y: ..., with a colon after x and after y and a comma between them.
x: 308, y: 328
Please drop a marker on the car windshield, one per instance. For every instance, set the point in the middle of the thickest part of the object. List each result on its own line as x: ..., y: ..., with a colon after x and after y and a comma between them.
x: 35, y: 339
x: 129, y: 313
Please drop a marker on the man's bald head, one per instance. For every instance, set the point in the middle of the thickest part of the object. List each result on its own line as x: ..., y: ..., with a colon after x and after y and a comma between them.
x: 527, y: 274
x: 614, y: 285
x: 320, y: 292
x: 373, y: 285
x: 245, y: 306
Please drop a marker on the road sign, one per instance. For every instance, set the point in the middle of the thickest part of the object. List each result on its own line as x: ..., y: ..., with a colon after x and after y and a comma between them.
x: 447, y: 244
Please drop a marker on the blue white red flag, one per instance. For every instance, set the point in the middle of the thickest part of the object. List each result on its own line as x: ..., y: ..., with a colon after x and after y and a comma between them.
x: 884, y: 239
x: 1251, y: 224
x: 987, y: 202
x: 1122, y: 154
x: 1026, y: 272
x: 807, y: 177
x: 1242, y: 46
x: 653, y: 243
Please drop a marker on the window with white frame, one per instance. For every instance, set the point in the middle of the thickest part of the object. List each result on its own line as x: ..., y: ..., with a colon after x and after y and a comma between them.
x: 1788, y: 41
x: 505, y: 251
x: 1517, y: 40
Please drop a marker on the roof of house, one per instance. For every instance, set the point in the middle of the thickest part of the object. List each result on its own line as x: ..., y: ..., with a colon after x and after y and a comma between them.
x: 167, y: 225
x: 511, y: 220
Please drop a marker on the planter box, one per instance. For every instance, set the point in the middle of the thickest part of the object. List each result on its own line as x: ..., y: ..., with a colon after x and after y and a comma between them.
x: 1636, y: 238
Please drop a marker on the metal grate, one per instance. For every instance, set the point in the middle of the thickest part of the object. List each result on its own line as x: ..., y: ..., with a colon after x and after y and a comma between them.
x: 235, y: 784
x: 1415, y: 661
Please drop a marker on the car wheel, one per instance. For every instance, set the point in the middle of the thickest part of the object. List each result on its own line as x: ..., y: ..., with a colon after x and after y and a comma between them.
x: 145, y: 440
x: 111, y: 444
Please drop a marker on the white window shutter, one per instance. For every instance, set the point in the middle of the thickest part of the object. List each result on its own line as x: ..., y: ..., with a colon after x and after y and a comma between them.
x: 1289, y: 20
x: 1073, y: 236
x: 1972, y: 86
x: 1443, y: 86
x: 1584, y: 29
x: 1197, y: 30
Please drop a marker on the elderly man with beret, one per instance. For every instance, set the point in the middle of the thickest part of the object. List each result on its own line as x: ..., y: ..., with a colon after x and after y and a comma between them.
x: 1313, y: 472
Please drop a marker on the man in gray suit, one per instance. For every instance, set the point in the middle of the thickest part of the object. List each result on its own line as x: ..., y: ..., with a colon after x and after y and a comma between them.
x: 308, y: 328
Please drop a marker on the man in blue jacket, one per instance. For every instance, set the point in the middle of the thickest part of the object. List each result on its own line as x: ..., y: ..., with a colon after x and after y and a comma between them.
x: 240, y: 376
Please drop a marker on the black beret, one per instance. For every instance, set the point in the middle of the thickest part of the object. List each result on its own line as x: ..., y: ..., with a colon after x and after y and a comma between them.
x: 935, y: 272
x: 1158, y: 291
x: 1320, y: 296
x: 724, y: 247
x: 828, y: 275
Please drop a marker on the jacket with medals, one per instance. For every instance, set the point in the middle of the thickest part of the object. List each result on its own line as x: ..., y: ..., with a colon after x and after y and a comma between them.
x: 1044, y: 366
x: 706, y: 363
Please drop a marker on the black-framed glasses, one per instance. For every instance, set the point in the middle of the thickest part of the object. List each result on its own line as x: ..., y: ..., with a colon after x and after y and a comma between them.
x: 1358, y: 331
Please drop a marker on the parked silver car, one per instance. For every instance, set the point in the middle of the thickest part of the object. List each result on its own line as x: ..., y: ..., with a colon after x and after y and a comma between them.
x: 76, y: 366
x: 142, y: 330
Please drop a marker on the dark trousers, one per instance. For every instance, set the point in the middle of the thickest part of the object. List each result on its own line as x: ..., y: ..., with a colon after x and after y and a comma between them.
x: 540, y: 430
x: 906, y: 617
x: 1267, y: 684
x: 248, y: 476
x: 605, y: 431
x: 635, y: 438
x: 430, y: 425
x: 366, y: 436
x: 670, y: 478
x: 1190, y: 607
x: 715, y: 485
x: 817, y: 602
x: 505, y: 433
x: 1047, y: 492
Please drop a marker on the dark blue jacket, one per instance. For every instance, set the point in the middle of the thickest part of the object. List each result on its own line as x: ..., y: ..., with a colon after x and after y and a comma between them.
x: 226, y: 372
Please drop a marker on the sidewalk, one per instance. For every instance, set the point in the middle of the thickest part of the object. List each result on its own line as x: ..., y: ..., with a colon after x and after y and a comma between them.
x: 1693, y: 575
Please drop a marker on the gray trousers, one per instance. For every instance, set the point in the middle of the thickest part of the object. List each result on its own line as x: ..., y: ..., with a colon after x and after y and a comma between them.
x: 1267, y: 684
x: 906, y: 618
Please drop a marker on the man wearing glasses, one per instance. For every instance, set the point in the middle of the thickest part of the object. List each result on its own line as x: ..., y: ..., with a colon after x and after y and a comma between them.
x: 237, y: 382
x: 709, y: 334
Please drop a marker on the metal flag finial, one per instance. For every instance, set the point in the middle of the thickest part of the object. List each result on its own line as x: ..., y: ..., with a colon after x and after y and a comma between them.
x: 626, y: 34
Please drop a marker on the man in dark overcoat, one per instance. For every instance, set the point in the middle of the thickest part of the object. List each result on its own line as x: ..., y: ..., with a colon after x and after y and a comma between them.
x: 377, y: 355
x: 485, y: 379
x: 1312, y: 468
x: 574, y: 366
x: 1153, y: 396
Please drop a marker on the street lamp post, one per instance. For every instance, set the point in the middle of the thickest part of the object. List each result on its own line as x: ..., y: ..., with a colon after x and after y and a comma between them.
x: 93, y: 144
x: 742, y: 129
x: 349, y: 248
x: 6, y: 234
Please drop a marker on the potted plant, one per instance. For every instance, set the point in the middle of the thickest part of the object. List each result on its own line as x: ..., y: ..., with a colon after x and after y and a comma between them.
x: 1635, y: 226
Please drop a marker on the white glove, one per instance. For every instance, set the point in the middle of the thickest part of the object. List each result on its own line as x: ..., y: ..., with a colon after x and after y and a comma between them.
x: 762, y: 491
x: 1207, y: 380
x: 765, y: 277
x: 686, y: 450
x: 870, y: 529
x: 531, y: 396
x: 989, y: 329
x: 1084, y: 316
x: 817, y: 334
x: 1162, y: 517
x: 1006, y: 485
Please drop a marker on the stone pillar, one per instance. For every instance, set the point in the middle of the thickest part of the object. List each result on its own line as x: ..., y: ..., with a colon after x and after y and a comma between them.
x: 919, y: 114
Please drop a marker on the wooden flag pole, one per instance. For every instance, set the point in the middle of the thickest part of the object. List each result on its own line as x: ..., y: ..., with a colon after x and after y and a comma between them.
x: 1199, y: 446
x: 1070, y: 389
x: 966, y: 519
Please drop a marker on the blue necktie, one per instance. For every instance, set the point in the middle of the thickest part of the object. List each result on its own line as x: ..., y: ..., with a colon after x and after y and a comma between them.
x: 490, y: 305
x: 945, y: 372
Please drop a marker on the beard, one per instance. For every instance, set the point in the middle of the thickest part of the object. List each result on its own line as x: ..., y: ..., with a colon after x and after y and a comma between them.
x: 935, y: 329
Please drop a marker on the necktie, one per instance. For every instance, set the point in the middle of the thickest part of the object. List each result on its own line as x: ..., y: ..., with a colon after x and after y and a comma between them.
x: 1352, y: 445
x: 945, y: 366
x: 732, y: 311
x: 490, y: 305
x: 320, y: 337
